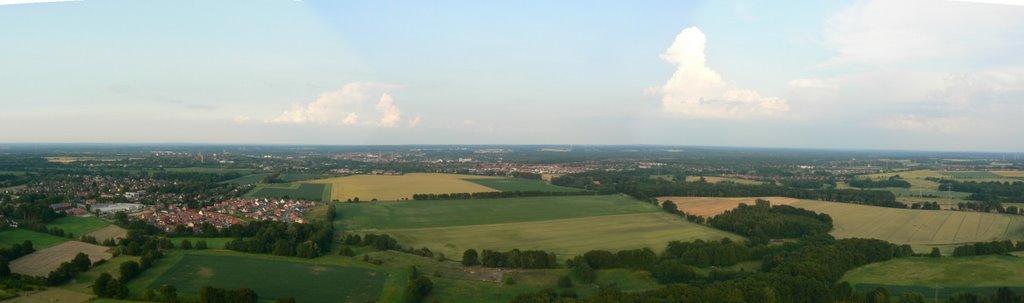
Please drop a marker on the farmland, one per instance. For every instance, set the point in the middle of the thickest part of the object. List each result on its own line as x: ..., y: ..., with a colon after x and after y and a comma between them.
x: 390, y: 188
x: 273, y: 278
x: 564, y: 237
x: 978, y: 274
x: 916, y: 227
x: 79, y: 225
x: 709, y: 207
x: 256, y: 178
x: 307, y: 191
x: 424, y: 214
x: 46, y: 260
x: 108, y: 232
x: 517, y: 184
x: 39, y: 240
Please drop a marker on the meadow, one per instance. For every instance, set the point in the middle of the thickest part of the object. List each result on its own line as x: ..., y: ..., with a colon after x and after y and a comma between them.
x: 518, y: 184
x: 393, y: 188
x: 39, y: 240
x: 307, y: 191
x: 79, y: 225
x: 963, y: 274
x: 305, y: 282
x: 564, y: 237
x: 423, y: 214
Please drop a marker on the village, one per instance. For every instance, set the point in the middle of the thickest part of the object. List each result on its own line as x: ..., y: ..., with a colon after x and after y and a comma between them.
x: 229, y: 212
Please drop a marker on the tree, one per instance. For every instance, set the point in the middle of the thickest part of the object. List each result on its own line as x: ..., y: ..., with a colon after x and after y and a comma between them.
x: 470, y: 258
x: 564, y: 282
x: 201, y: 244
x: 129, y: 270
x: 81, y: 262
x: 99, y: 286
x: 935, y: 253
x: 186, y: 244
x: 5, y: 267
x: 418, y: 289
x: 913, y: 297
x: 669, y: 206
x: 285, y: 300
x: 168, y: 293
x: 583, y: 270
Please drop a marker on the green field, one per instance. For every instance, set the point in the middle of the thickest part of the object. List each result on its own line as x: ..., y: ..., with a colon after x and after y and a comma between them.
x: 564, y: 237
x: 422, y: 214
x: 965, y: 274
x: 517, y: 184
x: 274, y: 278
x: 972, y: 175
x: 39, y: 240
x: 307, y: 191
x: 211, y: 243
x: 256, y: 178
x: 79, y: 225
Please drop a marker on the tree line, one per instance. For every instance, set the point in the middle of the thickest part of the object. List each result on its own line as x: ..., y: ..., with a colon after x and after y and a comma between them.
x: 284, y: 239
x: 510, y: 259
x: 987, y: 191
x: 764, y: 221
x: 987, y: 248
x: 893, y: 181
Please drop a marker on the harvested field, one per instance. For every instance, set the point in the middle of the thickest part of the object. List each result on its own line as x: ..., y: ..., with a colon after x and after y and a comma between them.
x: 42, y: 262
x: 916, y: 227
x: 710, y: 207
x: 109, y: 232
x: 392, y: 188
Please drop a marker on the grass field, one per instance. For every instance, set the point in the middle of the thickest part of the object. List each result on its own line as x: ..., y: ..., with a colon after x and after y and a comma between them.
x: 564, y: 237
x: 517, y: 184
x: 256, y: 178
x: 391, y: 188
x: 39, y: 240
x: 974, y: 274
x: 711, y: 179
x: 710, y: 207
x: 274, y: 278
x: 79, y: 225
x: 1010, y: 173
x: 307, y: 191
x: 423, y: 214
x: 917, y: 227
x: 211, y: 243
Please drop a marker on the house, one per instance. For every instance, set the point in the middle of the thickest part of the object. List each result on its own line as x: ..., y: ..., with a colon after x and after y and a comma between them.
x: 59, y: 207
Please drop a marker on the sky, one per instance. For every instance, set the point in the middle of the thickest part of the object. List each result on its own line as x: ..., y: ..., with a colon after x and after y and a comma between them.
x: 863, y: 74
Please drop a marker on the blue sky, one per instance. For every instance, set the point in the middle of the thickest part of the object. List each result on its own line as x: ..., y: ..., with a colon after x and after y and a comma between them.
x: 907, y: 74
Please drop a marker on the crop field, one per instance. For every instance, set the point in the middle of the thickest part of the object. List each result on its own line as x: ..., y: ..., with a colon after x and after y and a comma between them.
x: 39, y: 240
x: 517, y: 184
x: 423, y: 214
x: 564, y: 237
x: 916, y: 227
x: 79, y: 225
x: 710, y: 207
x: 44, y: 261
x: 966, y: 274
x: 273, y: 278
x: 1010, y: 173
x: 109, y: 232
x: 972, y: 175
x: 711, y: 179
x: 392, y: 188
x: 307, y: 191
x: 51, y: 295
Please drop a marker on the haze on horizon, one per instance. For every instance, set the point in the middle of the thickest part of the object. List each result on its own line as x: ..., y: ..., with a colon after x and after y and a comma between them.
x: 871, y: 74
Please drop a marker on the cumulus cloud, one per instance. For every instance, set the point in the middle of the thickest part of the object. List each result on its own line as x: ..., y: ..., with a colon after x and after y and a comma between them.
x: 353, y: 104
x: 697, y: 91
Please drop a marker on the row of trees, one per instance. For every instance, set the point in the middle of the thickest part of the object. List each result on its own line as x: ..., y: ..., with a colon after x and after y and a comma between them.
x: 67, y: 270
x: 987, y: 248
x: 510, y: 259
x: 285, y: 239
x: 894, y: 181
x: 987, y: 191
x: 498, y: 194
x: 210, y: 294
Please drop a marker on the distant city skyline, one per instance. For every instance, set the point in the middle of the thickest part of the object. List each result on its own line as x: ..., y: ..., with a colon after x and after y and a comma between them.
x: 871, y: 74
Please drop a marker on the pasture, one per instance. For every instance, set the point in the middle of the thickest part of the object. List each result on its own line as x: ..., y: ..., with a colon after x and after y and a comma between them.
x: 39, y: 240
x: 306, y: 191
x: 916, y: 227
x: 79, y: 225
x: 712, y: 179
x: 424, y: 214
x: 710, y: 207
x: 518, y: 184
x: 976, y: 274
x: 564, y: 237
x: 42, y: 262
x: 392, y: 188
x: 273, y: 278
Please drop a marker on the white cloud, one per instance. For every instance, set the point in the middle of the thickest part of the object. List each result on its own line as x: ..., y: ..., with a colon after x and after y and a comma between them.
x: 242, y: 119
x: 886, y: 32
x: 929, y: 124
x: 11, y: 2
x: 814, y: 83
x: 699, y: 92
x: 415, y: 121
x: 350, y: 105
